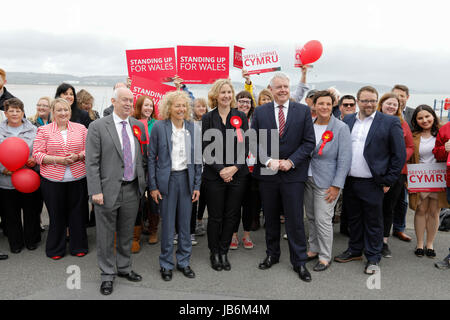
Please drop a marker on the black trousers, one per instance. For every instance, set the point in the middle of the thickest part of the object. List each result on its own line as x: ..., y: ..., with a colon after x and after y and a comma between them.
x: 12, y: 204
x: 67, y: 205
x: 363, y: 203
x: 391, y: 198
x: 251, y: 205
x: 224, y: 202
x: 277, y: 196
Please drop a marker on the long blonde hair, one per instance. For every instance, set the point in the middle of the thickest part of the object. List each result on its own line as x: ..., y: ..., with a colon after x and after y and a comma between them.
x: 213, y: 93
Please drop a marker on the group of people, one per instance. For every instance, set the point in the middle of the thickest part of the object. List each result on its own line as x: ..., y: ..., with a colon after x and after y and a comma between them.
x: 246, y: 155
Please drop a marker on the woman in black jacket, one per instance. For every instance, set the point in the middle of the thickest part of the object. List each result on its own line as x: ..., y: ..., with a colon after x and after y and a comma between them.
x: 223, y: 174
x: 67, y: 92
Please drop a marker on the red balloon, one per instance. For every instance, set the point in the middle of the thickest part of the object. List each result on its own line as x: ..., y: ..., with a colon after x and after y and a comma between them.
x: 14, y: 153
x: 311, y: 52
x: 26, y: 180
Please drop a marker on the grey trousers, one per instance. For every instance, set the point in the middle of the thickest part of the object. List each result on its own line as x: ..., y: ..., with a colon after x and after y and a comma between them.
x: 176, y: 207
x: 120, y: 218
x: 320, y: 214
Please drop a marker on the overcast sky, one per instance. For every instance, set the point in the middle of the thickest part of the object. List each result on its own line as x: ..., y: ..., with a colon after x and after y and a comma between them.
x: 380, y: 42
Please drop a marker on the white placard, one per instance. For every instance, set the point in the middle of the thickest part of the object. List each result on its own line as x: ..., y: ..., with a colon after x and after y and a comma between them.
x: 257, y: 61
x: 427, y: 177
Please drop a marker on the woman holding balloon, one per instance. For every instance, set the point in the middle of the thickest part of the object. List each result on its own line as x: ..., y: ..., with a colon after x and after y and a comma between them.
x: 59, y: 149
x: 14, y: 155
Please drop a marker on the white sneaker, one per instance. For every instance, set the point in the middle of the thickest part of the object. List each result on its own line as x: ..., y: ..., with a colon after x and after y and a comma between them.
x: 285, y: 236
x: 175, y: 238
x: 193, y: 240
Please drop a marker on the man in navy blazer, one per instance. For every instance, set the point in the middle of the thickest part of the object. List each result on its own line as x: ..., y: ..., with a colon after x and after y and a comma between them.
x: 378, y: 155
x: 282, y: 172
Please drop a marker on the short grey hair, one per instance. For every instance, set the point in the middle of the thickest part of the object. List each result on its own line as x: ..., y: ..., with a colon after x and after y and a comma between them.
x: 279, y: 75
x: 116, y: 92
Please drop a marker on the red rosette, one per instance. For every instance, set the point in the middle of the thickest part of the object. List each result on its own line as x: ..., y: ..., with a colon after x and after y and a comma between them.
x: 326, y: 137
x: 138, y: 134
x: 237, y: 123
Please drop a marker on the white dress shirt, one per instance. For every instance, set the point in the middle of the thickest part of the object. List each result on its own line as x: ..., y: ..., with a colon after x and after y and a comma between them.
x: 285, y: 111
x: 179, y: 155
x: 118, y: 123
x: 360, y: 168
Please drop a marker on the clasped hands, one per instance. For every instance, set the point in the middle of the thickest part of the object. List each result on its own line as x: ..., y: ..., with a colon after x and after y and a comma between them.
x: 282, y: 165
x: 227, y: 173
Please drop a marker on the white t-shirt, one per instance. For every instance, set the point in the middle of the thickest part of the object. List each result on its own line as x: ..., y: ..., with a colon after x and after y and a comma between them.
x: 318, y: 131
x: 426, y: 150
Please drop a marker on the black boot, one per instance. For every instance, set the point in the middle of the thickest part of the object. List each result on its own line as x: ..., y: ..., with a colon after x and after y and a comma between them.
x: 225, y: 263
x: 216, y: 264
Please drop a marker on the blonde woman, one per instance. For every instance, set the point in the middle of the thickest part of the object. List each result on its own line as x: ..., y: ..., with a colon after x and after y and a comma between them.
x: 42, y: 116
x: 174, y: 179
x: 85, y: 102
x: 225, y: 179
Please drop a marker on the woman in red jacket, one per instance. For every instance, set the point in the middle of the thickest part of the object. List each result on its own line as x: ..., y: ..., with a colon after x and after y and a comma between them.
x: 59, y: 148
x: 441, y: 150
x: 390, y: 104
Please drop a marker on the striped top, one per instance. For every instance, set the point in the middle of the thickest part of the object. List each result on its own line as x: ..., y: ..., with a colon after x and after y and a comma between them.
x: 49, y: 142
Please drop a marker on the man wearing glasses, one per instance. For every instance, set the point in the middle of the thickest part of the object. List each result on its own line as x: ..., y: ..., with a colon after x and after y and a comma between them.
x: 378, y: 155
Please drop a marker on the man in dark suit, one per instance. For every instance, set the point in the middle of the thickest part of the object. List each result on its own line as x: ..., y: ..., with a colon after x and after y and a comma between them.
x: 282, y: 175
x: 115, y: 165
x: 378, y: 155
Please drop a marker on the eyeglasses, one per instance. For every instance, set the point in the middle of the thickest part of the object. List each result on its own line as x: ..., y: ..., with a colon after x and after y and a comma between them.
x: 241, y: 101
x: 368, y: 101
x: 348, y: 105
x: 42, y: 105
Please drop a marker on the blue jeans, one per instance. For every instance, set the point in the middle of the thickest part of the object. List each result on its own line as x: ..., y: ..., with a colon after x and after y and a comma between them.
x: 399, y: 221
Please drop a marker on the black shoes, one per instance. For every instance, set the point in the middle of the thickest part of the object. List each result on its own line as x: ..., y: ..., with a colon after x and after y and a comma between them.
x: 3, y: 256
x: 166, y: 274
x: 132, y: 276
x: 106, y: 288
x: 216, y: 264
x: 16, y: 250
x: 430, y: 253
x: 225, y: 263
x: 187, y: 271
x: 347, y: 256
x: 419, y: 252
x: 321, y: 266
x: 32, y: 247
x: 385, y: 252
x: 303, y: 273
x: 268, y: 262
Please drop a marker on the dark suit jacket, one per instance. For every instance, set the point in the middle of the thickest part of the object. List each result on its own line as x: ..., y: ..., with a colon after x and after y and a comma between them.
x: 160, y: 156
x: 296, y: 144
x: 5, y: 96
x: 214, y: 164
x: 385, y: 150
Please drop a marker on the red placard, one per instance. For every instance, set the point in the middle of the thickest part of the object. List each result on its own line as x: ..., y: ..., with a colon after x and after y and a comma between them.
x: 202, y: 65
x: 155, y: 64
x: 147, y: 87
x: 237, y: 57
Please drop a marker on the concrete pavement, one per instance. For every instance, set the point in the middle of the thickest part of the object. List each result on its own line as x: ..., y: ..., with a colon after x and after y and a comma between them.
x: 31, y: 275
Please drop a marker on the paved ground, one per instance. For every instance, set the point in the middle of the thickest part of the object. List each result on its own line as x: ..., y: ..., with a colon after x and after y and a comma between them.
x: 31, y: 275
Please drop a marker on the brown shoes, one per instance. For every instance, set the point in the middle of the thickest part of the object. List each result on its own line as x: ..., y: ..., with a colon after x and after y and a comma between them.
x: 136, y: 245
x: 402, y: 236
x: 153, y: 238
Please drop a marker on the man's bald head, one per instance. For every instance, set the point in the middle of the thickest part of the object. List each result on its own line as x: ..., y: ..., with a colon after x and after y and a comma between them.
x: 119, y: 85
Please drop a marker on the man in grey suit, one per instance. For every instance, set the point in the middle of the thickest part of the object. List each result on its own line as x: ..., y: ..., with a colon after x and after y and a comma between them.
x: 116, y: 181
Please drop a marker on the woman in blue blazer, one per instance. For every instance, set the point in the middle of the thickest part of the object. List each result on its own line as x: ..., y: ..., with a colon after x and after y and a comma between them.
x: 329, y: 166
x: 174, y: 178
